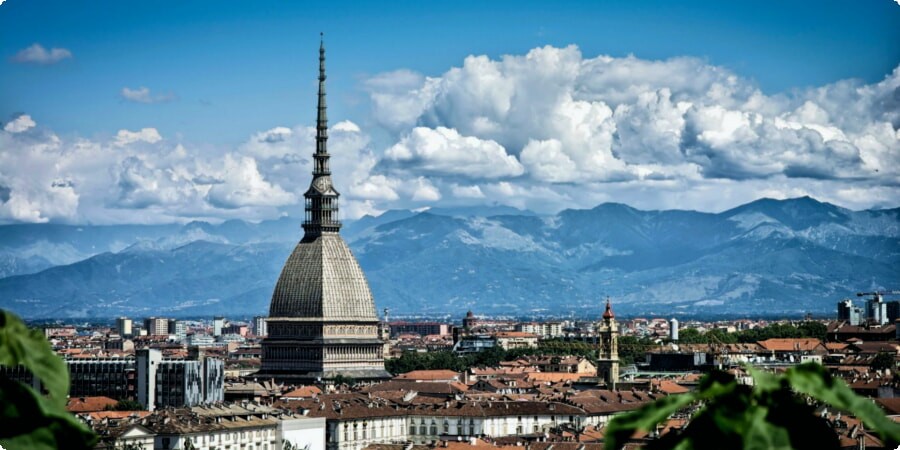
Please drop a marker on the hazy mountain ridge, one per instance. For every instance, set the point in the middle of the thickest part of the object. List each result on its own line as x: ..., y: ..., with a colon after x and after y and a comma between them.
x: 788, y: 256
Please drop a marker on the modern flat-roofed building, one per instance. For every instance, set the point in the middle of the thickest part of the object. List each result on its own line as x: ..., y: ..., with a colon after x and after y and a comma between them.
x: 420, y: 328
x: 147, y: 377
x: 156, y: 326
x: 110, y: 377
x: 124, y: 326
x: 260, y: 326
x: 191, y: 381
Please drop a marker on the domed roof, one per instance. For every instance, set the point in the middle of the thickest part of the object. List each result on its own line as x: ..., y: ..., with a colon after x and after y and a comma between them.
x: 608, y: 314
x: 321, y: 279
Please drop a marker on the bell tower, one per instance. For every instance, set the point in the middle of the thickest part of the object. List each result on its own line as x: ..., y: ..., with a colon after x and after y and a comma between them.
x: 608, y: 353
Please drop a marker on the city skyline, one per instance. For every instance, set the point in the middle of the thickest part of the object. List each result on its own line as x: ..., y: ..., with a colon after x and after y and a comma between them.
x: 149, y: 116
x: 463, y: 226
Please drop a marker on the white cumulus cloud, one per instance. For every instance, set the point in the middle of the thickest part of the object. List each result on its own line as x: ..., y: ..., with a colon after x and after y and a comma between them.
x: 37, y: 54
x: 587, y: 127
x: 20, y: 124
x: 125, y: 137
x: 444, y: 151
x: 243, y: 185
x: 545, y: 130
x: 143, y: 95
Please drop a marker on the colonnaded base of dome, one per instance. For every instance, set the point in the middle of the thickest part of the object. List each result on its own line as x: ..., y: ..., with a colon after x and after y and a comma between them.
x: 372, y: 374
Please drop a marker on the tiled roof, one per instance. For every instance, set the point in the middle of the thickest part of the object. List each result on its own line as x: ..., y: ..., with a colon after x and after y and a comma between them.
x: 425, y: 387
x: 246, y: 388
x: 428, y: 375
x: 891, y: 406
x: 177, y: 422
x: 606, y: 402
x: 515, y: 334
x: 669, y: 386
x: 303, y: 392
x: 359, y: 406
x: 876, y: 347
x: 115, y: 415
x: 554, y: 376
x: 89, y: 404
x: 789, y: 345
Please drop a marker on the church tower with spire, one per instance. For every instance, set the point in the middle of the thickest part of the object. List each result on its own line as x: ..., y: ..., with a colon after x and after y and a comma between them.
x: 322, y: 322
x: 608, y: 353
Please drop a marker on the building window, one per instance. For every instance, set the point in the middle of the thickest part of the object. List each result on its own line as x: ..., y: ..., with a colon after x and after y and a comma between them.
x: 446, y: 427
x: 433, y: 428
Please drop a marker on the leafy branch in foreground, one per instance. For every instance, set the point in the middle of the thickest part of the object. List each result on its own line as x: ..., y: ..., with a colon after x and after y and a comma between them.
x: 31, y: 420
x: 770, y: 415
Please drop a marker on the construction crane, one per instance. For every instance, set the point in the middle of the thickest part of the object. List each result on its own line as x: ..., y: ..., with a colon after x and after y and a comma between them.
x: 876, y: 309
x: 877, y: 294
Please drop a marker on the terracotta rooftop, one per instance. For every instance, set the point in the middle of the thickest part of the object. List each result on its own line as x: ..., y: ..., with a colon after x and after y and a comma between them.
x: 303, y: 392
x: 89, y: 404
x: 115, y: 415
x: 891, y: 406
x: 554, y: 376
x: 514, y: 334
x: 428, y: 375
x: 424, y: 387
x: 790, y: 345
x: 668, y: 386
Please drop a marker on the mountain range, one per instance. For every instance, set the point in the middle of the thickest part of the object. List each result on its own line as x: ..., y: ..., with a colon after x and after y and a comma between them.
x: 767, y: 257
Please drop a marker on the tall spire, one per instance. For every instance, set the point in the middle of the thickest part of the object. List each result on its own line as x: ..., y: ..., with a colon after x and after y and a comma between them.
x: 321, y: 197
x: 322, y: 118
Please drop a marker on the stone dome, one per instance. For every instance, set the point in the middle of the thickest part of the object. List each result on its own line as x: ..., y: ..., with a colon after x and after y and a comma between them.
x: 322, y: 280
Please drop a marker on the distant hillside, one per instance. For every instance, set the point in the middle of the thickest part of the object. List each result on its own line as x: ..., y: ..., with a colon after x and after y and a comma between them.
x: 768, y: 256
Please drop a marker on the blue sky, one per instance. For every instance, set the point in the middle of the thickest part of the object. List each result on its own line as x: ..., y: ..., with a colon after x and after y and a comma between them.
x: 217, y: 74
x: 236, y: 67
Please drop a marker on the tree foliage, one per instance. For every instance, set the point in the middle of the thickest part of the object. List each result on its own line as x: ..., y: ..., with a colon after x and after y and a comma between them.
x: 31, y: 420
x: 342, y: 379
x: 884, y: 360
x: 633, y: 349
x: 449, y: 360
x: 126, y: 405
x: 777, y: 413
x: 775, y: 331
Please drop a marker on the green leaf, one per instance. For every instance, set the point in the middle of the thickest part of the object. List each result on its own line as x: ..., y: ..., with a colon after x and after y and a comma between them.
x: 763, y: 435
x: 21, y: 345
x: 30, y: 420
x: 36, y: 422
x: 763, y: 381
x: 812, y: 379
x: 622, y: 427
